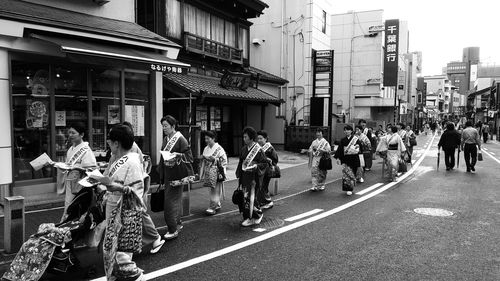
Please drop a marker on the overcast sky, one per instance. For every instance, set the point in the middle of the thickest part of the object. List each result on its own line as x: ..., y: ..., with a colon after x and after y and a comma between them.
x: 441, y: 28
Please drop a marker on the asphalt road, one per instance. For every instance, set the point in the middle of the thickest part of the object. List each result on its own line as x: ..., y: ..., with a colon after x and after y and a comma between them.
x: 375, y: 236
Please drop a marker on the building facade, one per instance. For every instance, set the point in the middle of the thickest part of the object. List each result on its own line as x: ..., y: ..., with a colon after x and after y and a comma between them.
x: 283, y: 42
x: 66, y: 65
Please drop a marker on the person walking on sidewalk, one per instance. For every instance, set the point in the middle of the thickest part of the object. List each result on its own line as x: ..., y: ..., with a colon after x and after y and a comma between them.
x: 366, y: 156
x: 471, y: 141
x: 412, y: 141
x: 367, y: 150
x: 213, y: 159
x: 319, y: 148
x: 486, y: 132
x: 449, y: 141
x: 175, y: 172
x: 250, y: 173
x: 79, y: 158
x: 393, y: 147
x: 272, y: 157
x: 348, y: 154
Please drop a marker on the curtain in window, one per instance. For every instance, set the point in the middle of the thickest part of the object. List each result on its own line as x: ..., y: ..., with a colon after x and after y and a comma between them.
x: 243, y: 41
x: 173, y: 20
x: 230, y: 34
x: 202, y: 23
x: 189, y: 19
x: 217, y: 29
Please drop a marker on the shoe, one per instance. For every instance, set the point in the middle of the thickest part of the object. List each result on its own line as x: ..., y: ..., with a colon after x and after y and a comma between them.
x: 368, y: 169
x: 267, y: 206
x: 448, y: 168
x: 313, y: 188
x: 210, y: 212
x: 361, y: 180
x: 349, y: 193
x: 468, y: 170
x: 321, y: 188
x: 170, y: 236
x: 472, y: 169
x: 157, y: 248
x: 257, y: 221
x: 247, y: 222
x: 179, y: 227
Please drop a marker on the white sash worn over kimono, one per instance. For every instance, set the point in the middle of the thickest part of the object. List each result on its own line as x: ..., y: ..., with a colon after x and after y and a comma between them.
x: 77, y: 156
x: 127, y: 171
x: 208, y: 171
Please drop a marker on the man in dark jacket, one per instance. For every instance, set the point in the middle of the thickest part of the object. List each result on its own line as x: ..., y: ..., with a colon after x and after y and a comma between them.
x: 449, y: 141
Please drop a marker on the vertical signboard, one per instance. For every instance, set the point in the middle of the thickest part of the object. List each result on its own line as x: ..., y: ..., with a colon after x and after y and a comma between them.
x: 322, y: 87
x: 391, y: 53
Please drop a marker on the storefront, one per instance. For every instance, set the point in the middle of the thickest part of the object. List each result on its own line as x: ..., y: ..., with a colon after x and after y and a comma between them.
x: 52, y: 77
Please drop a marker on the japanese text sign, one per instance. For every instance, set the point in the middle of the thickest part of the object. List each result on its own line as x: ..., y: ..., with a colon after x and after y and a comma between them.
x: 391, y: 52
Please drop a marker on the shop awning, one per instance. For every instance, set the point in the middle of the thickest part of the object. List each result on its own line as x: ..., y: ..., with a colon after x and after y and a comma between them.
x: 83, y: 46
x: 210, y: 87
x: 480, y: 92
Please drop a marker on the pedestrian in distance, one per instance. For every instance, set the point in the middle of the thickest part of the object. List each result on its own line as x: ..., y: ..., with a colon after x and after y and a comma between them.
x: 367, y: 150
x: 365, y: 157
x: 412, y: 141
x: 272, y: 158
x: 470, y: 143
x: 486, y: 132
x: 319, y: 148
x: 79, y: 158
x: 450, y: 141
x: 250, y: 173
x: 213, y: 171
x: 175, y: 172
x: 348, y: 155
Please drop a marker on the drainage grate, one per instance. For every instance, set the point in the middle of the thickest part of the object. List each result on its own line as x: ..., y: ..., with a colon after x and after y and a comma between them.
x: 270, y: 222
x: 435, y: 212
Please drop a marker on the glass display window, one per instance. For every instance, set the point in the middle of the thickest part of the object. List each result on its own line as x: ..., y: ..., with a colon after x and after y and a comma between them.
x: 31, y: 118
x: 137, y: 108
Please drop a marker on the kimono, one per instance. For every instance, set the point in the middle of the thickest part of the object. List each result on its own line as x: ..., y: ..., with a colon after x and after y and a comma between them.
x: 318, y: 176
x: 272, y: 158
x: 251, y: 181
x: 367, y: 157
x: 127, y: 171
x: 348, y: 153
x: 82, y: 157
x: 209, y: 173
x: 392, y: 146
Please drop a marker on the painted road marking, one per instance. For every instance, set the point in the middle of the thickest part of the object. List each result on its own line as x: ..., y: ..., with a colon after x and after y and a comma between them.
x: 260, y: 229
x: 492, y: 157
x: 271, y: 234
x: 492, y: 153
x: 304, y: 215
x: 366, y: 190
x: 484, y: 148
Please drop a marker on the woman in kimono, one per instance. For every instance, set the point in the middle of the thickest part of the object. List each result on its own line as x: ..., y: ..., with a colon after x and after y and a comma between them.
x: 319, y: 147
x: 272, y: 159
x: 213, y: 155
x: 348, y: 154
x: 175, y: 172
x: 250, y: 172
x: 366, y: 147
x: 126, y: 177
x: 393, y: 147
x: 79, y: 158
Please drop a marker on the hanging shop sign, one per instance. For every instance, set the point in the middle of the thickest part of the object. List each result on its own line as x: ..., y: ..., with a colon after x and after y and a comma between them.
x: 323, y: 73
x: 391, y: 52
x: 168, y: 68
x: 235, y: 80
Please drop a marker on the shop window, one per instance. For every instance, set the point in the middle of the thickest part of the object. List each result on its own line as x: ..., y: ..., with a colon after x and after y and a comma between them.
x: 31, y: 118
x: 106, y: 108
x: 71, y: 105
x: 137, y: 108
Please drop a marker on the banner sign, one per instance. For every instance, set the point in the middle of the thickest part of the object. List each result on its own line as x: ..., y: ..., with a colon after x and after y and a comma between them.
x: 391, y: 53
x: 323, y: 73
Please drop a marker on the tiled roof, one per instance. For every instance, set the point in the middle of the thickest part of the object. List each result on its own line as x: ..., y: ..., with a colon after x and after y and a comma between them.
x: 267, y: 77
x: 56, y: 17
x: 210, y: 87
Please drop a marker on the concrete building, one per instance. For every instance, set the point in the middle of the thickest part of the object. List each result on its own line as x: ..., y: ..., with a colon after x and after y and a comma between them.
x: 438, y: 97
x: 358, y: 89
x: 283, y: 40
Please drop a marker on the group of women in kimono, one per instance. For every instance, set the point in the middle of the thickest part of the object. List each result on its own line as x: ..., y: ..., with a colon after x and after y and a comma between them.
x: 127, y: 187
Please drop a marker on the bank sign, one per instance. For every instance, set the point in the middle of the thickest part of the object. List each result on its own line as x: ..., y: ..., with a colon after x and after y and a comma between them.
x: 391, y: 53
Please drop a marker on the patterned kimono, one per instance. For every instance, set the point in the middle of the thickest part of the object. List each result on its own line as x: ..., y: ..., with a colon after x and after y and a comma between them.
x: 395, y: 148
x: 367, y: 147
x: 272, y: 157
x: 127, y: 171
x: 209, y: 173
x: 251, y: 181
x: 348, y: 153
x: 80, y: 156
x: 318, y: 175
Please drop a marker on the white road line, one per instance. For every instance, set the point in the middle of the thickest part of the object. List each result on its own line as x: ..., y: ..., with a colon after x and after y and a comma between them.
x: 484, y: 148
x: 271, y: 234
x: 260, y: 229
x: 304, y: 215
x: 492, y: 153
x: 366, y: 190
x: 492, y: 157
